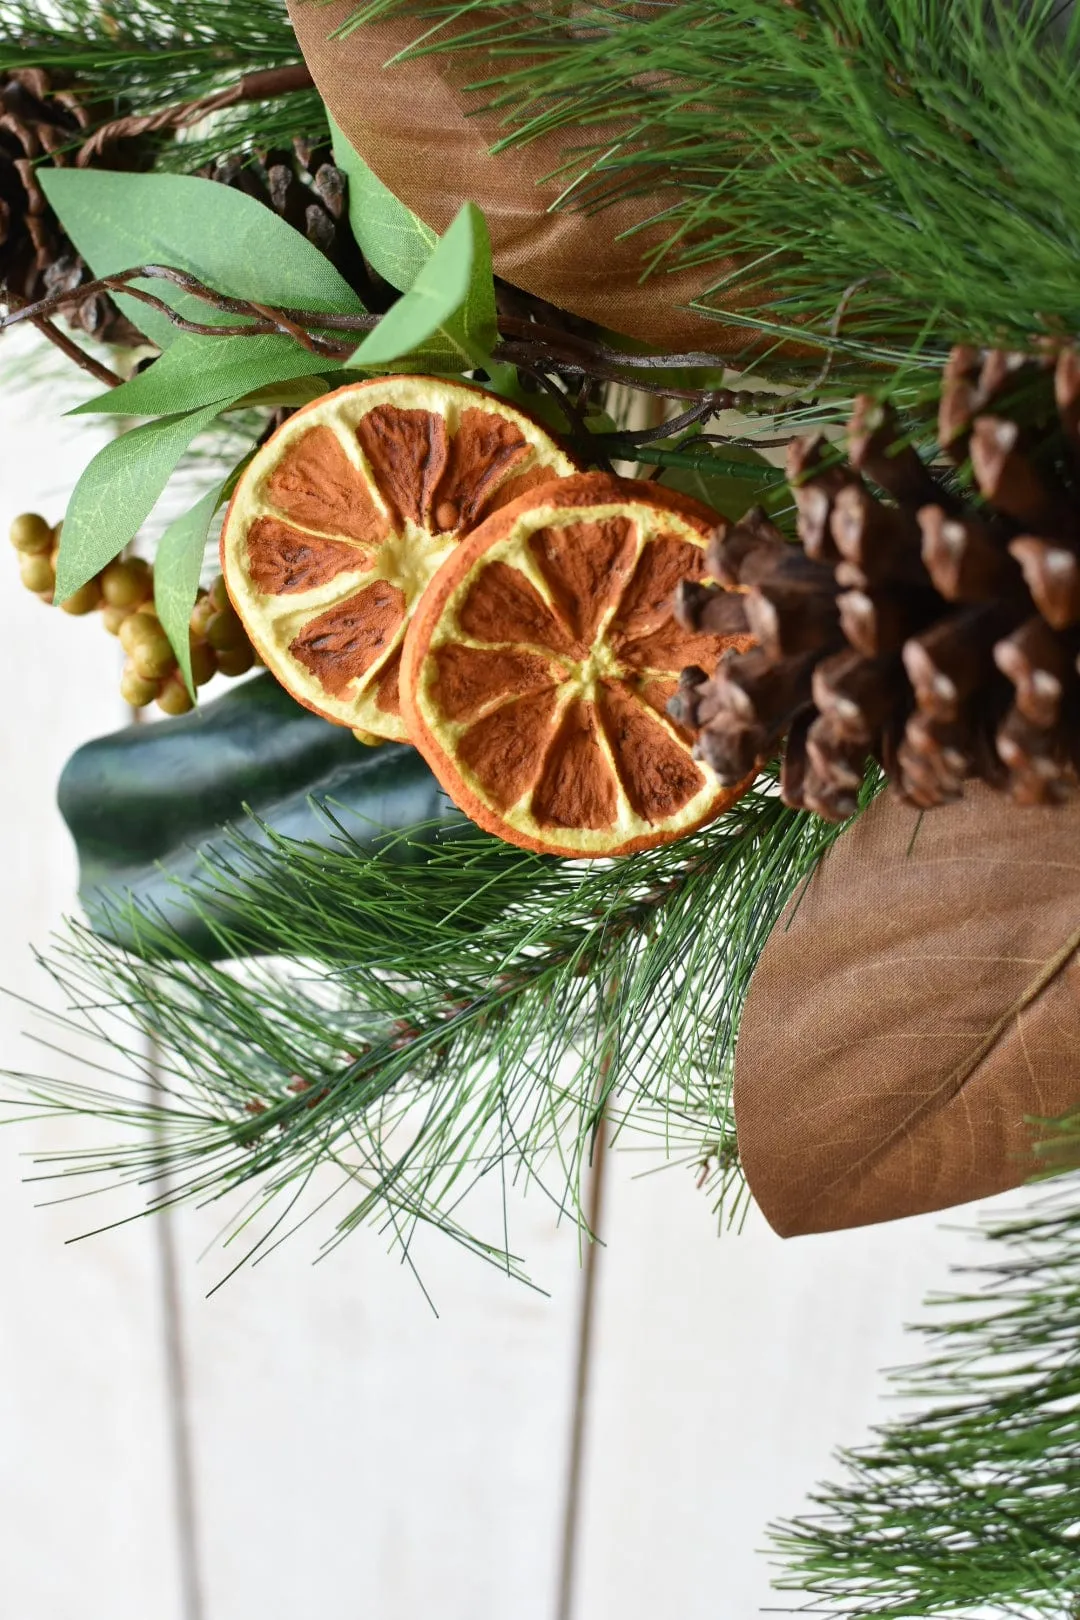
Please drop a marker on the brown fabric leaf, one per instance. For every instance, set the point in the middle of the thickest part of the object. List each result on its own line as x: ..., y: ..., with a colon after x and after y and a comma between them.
x: 429, y: 142
x: 912, y: 1010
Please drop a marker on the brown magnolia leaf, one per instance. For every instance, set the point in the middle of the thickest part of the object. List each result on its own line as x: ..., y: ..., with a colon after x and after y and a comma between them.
x: 430, y: 143
x: 911, y: 1014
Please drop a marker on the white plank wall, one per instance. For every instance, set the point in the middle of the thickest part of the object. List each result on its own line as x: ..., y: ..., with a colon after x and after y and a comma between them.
x: 86, y: 1480
x: 358, y: 1456
x: 312, y: 1440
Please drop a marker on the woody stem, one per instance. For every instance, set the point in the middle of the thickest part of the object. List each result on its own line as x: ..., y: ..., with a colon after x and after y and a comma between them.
x: 539, y: 349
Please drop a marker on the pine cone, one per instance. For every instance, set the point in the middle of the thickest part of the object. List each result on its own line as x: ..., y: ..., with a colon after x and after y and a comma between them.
x: 932, y: 630
x: 40, y: 119
x: 307, y: 189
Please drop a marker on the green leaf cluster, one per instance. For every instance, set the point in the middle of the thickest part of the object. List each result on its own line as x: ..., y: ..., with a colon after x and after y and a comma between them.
x: 425, y: 1021
x: 119, y: 221
x: 229, y: 240
x: 118, y: 491
x: 445, y: 320
x: 971, y: 1507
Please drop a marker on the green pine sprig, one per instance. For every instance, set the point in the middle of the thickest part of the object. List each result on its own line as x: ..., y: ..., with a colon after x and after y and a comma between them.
x: 892, y: 176
x: 424, y: 1018
x: 970, y: 1510
x: 133, y: 60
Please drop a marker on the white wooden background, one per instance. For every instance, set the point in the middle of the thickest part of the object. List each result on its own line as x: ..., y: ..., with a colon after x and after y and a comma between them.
x: 312, y: 1441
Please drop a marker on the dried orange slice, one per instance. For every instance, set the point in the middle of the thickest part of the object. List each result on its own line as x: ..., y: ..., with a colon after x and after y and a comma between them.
x: 345, y: 514
x: 539, y: 663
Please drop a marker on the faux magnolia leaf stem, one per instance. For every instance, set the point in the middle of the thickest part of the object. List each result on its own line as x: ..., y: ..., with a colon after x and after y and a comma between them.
x: 525, y: 343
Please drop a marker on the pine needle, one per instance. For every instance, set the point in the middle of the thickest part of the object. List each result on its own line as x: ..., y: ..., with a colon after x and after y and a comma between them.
x: 972, y: 1509
x: 894, y: 176
x: 425, y: 1017
x: 138, y: 59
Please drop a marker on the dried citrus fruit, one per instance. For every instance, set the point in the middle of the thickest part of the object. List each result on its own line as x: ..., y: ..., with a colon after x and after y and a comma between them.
x: 345, y: 514
x: 539, y: 663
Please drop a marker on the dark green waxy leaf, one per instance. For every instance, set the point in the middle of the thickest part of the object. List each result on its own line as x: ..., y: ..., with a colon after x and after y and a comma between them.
x: 393, y: 240
x: 118, y: 491
x: 196, y: 371
x: 177, y: 567
x: 227, y: 239
x: 449, y: 312
x: 146, y: 804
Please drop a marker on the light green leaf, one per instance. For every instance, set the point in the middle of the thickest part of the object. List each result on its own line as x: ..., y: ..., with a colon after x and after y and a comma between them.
x: 118, y: 491
x: 299, y: 391
x: 395, y: 243
x: 198, y: 371
x: 177, y: 565
x: 227, y: 239
x: 450, y: 308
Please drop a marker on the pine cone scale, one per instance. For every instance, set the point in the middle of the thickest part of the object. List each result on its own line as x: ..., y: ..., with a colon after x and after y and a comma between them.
x: 39, y: 120
x: 936, y: 633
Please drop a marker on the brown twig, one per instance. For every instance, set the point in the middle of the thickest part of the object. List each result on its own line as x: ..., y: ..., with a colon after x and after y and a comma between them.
x: 675, y: 424
x: 264, y: 86
x: 537, y: 348
x: 70, y: 348
x: 67, y: 346
x: 524, y: 342
x: 581, y: 440
x: 290, y: 328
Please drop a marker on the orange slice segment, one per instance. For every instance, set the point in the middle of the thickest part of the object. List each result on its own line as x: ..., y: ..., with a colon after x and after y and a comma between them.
x: 539, y: 661
x: 345, y: 515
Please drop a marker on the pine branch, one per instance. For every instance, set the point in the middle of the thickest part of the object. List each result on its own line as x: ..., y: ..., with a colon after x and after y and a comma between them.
x: 970, y: 1510
x: 1059, y: 1143
x: 135, y: 62
x: 428, y: 1017
x: 906, y: 161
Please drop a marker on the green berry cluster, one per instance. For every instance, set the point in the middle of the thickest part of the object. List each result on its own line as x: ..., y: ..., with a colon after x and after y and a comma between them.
x: 123, y: 592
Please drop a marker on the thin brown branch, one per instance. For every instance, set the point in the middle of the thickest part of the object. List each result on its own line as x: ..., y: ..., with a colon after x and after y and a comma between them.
x: 581, y: 440
x: 71, y: 349
x: 289, y: 328
x: 264, y: 86
x: 650, y: 435
x: 539, y: 343
x: 556, y: 360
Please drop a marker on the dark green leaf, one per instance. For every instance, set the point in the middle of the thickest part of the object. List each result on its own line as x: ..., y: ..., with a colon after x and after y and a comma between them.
x: 449, y: 310
x: 177, y: 565
x: 227, y: 239
x: 146, y: 805
x: 118, y: 491
x: 393, y: 240
x: 195, y: 371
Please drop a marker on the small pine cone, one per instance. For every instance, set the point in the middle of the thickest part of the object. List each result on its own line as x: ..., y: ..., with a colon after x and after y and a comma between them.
x: 933, y: 631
